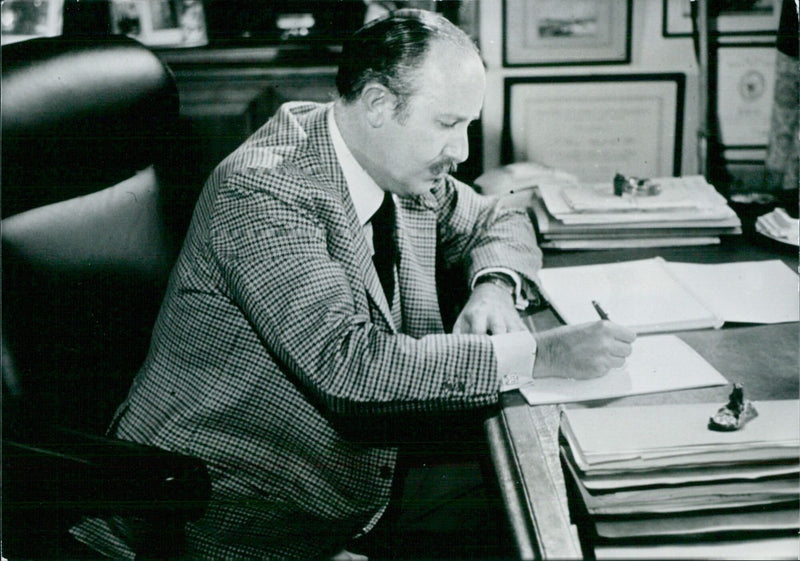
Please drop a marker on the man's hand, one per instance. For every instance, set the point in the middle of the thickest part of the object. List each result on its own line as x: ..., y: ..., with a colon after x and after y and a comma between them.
x: 489, y: 311
x: 582, y: 351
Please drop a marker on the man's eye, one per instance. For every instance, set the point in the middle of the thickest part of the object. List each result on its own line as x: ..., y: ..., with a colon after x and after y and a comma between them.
x: 448, y: 124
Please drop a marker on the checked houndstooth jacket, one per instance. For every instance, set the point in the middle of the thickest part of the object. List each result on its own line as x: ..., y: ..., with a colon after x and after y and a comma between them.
x: 275, y: 330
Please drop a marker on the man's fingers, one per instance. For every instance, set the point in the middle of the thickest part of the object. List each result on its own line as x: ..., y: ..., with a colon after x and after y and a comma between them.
x: 471, y: 323
x: 478, y: 325
x: 516, y: 323
x: 621, y: 333
x: 616, y: 361
x: 620, y: 349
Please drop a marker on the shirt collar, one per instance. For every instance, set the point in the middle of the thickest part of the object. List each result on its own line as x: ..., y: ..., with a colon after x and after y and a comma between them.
x: 365, y: 193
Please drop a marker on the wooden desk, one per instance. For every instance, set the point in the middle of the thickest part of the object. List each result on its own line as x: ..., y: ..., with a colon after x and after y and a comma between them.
x: 523, y: 439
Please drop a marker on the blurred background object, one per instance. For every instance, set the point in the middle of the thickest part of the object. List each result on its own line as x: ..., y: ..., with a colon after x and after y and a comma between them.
x: 782, y: 151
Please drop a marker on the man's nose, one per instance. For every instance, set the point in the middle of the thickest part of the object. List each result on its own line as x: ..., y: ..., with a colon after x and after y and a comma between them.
x: 457, y: 148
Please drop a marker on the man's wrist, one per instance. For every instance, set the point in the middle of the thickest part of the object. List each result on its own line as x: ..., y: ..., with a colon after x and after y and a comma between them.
x: 501, y: 280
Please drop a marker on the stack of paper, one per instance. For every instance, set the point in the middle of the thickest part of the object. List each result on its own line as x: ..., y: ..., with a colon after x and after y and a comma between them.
x: 686, y: 211
x: 655, y: 481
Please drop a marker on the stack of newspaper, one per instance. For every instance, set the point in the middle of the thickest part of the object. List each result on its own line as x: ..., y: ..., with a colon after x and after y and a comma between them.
x: 680, y: 211
x: 655, y: 482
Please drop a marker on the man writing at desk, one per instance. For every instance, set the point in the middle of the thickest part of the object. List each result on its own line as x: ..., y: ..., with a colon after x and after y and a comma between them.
x: 280, y: 327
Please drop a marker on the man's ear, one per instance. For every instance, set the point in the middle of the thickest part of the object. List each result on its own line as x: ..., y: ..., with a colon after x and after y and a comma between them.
x: 378, y: 103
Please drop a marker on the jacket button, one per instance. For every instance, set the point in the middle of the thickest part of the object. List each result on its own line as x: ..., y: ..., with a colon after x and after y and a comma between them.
x: 385, y: 472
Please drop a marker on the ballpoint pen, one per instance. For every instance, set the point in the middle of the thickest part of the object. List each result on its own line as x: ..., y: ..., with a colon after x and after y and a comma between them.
x: 600, y: 311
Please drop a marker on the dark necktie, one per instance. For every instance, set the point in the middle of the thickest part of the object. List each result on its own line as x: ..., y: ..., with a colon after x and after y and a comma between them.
x: 383, y: 242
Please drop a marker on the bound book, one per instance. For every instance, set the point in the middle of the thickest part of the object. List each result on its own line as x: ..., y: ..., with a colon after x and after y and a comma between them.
x: 654, y: 295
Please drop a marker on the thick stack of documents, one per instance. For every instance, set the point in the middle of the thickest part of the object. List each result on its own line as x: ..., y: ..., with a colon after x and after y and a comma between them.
x: 655, y: 482
x: 686, y: 211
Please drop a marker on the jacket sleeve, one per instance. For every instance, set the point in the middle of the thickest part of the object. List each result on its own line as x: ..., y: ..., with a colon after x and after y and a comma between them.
x: 482, y: 232
x: 274, y: 261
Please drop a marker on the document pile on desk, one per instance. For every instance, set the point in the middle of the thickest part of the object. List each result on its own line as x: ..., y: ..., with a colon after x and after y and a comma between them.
x: 654, y: 482
x: 685, y: 211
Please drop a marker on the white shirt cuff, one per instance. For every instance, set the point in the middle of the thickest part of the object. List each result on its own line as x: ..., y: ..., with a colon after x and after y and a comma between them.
x: 516, y: 355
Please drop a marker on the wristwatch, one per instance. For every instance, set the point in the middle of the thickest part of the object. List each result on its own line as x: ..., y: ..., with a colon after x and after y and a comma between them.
x: 499, y: 279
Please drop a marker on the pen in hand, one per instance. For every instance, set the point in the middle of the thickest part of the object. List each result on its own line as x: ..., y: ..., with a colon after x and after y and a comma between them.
x: 600, y: 311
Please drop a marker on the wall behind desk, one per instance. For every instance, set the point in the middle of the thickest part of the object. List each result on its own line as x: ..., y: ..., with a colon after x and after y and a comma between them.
x: 651, y: 52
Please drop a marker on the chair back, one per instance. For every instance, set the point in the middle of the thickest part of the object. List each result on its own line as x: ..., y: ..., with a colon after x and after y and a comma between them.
x: 90, y: 227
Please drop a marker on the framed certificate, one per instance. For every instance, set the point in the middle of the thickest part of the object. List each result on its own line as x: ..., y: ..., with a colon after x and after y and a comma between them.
x: 596, y: 126
x: 745, y: 91
x: 557, y: 32
x: 757, y: 17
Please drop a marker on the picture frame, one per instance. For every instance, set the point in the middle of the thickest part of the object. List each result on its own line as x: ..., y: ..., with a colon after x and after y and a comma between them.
x: 759, y: 18
x: 745, y: 93
x: 27, y: 19
x: 564, y: 32
x: 161, y: 23
x: 596, y: 126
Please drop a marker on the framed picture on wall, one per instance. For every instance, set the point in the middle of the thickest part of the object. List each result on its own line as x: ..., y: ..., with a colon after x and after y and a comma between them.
x: 558, y: 32
x: 596, y: 126
x: 736, y: 17
x: 26, y: 19
x: 745, y: 92
x: 161, y: 23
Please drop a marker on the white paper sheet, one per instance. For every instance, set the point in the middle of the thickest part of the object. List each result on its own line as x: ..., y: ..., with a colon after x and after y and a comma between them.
x: 683, y: 475
x: 654, y: 295
x: 677, y: 525
x: 658, y: 363
x: 767, y: 548
x: 641, y: 294
x: 746, y: 291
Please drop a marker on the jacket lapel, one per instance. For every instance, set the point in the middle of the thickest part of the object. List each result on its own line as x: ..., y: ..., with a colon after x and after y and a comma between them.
x: 323, y: 161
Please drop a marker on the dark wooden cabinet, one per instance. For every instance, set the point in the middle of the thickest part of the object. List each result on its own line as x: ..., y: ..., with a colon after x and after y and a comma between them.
x: 226, y: 94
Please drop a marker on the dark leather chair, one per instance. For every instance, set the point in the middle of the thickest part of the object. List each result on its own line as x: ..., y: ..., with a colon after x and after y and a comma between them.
x: 93, y: 215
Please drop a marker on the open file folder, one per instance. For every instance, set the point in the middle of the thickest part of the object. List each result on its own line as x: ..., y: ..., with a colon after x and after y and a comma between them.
x: 654, y: 295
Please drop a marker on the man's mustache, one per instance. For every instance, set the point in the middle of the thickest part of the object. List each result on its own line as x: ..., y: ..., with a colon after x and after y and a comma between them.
x: 445, y: 166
